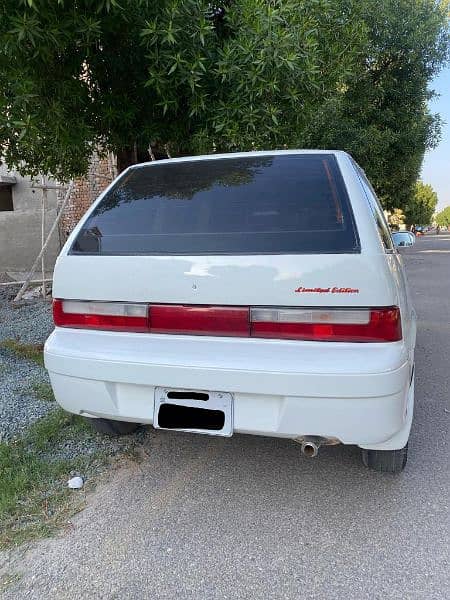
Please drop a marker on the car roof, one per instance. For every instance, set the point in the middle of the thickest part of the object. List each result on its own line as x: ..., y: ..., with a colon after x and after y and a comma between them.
x: 236, y: 155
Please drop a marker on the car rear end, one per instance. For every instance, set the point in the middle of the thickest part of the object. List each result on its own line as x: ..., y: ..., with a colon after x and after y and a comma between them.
x: 245, y: 293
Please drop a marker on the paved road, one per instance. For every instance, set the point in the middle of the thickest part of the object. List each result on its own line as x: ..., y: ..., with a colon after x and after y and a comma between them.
x: 250, y: 518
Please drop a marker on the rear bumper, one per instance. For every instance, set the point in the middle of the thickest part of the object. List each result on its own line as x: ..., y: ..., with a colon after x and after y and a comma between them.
x: 358, y: 393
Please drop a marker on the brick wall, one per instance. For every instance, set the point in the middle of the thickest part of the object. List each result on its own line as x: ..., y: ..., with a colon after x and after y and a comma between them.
x: 85, y: 191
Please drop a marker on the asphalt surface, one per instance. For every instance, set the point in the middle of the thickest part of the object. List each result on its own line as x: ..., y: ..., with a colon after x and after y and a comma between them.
x: 250, y: 518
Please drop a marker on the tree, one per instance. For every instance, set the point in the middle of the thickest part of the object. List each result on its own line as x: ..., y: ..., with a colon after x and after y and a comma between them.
x: 381, y: 117
x: 443, y: 217
x: 396, y: 218
x: 194, y: 76
x: 260, y: 81
x: 420, y: 209
x: 72, y: 77
x: 121, y: 75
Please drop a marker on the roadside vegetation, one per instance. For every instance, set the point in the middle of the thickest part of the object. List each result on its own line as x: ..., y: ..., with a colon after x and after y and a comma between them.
x: 43, y: 391
x: 29, y: 351
x: 443, y: 217
x: 155, y: 79
x: 421, y: 207
x: 34, y: 498
x: 35, y: 467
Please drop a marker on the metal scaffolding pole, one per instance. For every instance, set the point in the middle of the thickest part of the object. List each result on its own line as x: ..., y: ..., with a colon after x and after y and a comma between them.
x: 47, y: 240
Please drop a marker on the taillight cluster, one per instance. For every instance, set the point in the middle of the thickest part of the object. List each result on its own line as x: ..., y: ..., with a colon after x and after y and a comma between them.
x: 314, y: 324
x: 110, y: 316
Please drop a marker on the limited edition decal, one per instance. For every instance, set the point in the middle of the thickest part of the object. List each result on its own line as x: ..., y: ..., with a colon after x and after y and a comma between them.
x: 328, y: 290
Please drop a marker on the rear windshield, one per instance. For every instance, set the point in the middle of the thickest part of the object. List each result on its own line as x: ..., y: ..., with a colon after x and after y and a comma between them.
x: 282, y: 204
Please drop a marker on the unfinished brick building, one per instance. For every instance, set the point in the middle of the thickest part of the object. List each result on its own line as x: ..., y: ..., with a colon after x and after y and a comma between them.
x: 86, y: 189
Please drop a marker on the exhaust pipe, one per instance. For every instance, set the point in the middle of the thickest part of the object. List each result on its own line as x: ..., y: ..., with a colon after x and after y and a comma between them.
x: 310, y: 444
x: 310, y: 448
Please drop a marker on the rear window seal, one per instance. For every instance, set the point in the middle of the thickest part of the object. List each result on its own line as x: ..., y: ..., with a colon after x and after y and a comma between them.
x: 356, y: 250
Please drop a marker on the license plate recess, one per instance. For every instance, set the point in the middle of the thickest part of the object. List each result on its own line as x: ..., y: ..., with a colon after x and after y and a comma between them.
x: 194, y: 411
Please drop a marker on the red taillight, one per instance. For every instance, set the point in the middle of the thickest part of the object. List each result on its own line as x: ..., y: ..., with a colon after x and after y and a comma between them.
x: 328, y: 325
x: 200, y: 320
x: 310, y: 324
x: 110, y: 316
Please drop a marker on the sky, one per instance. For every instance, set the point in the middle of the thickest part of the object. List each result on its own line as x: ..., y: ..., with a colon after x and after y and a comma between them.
x: 436, y: 165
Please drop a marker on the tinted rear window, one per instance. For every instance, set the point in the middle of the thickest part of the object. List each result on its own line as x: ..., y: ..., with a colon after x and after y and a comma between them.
x: 249, y: 205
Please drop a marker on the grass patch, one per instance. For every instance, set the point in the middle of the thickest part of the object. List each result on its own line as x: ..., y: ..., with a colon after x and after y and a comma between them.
x: 32, y: 352
x: 43, y: 391
x: 34, y: 498
x: 56, y: 427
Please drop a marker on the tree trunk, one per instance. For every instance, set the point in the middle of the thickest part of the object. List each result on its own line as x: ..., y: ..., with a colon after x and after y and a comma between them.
x: 125, y: 158
x: 134, y: 154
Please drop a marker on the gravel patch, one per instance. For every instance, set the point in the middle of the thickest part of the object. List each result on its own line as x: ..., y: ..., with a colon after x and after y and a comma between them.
x: 94, y: 445
x: 19, y: 407
x: 29, y: 323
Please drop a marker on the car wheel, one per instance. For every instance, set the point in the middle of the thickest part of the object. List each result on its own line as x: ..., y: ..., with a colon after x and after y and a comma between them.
x: 386, y: 461
x: 113, y: 428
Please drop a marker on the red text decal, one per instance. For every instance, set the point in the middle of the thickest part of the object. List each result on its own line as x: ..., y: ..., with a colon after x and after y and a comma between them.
x: 328, y: 290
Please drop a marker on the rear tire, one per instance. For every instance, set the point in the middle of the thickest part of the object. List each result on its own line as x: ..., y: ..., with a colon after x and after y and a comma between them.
x: 385, y: 461
x: 113, y: 428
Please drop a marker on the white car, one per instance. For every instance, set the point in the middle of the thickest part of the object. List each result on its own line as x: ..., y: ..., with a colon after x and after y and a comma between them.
x: 256, y: 293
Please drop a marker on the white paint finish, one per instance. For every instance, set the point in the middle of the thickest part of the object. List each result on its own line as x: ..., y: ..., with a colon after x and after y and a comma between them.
x: 65, y: 346
x: 400, y: 438
x: 358, y: 420
x: 233, y: 280
x: 409, y: 318
x: 356, y: 392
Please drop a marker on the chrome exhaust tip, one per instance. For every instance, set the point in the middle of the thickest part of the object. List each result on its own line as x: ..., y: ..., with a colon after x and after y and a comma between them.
x: 310, y: 444
x: 310, y: 448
